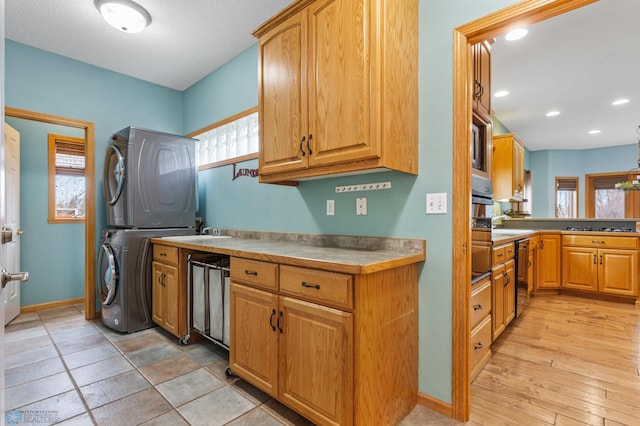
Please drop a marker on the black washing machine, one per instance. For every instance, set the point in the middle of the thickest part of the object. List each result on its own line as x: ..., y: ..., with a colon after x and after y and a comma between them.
x: 124, y: 276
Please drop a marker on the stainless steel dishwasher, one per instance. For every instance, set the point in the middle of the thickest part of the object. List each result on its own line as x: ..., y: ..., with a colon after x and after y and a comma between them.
x: 522, y: 274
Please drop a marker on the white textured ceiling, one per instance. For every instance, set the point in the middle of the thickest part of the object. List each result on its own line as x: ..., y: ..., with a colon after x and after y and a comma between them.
x: 576, y: 63
x: 185, y: 41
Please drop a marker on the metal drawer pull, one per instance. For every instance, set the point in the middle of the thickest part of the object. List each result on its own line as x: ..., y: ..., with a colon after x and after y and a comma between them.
x: 477, y: 307
x: 594, y: 259
x: 273, y: 313
x: 597, y: 242
x: 248, y: 272
x: 163, y: 254
x: 316, y: 286
x: 301, y: 148
x: 477, y: 346
x: 500, y: 254
x: 279, y: 318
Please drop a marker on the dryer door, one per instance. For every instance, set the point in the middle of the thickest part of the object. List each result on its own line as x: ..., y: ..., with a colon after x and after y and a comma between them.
x: 114, y: 174
x: 108, y: 273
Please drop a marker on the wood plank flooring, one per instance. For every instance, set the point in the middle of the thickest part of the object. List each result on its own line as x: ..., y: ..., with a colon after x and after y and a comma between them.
x: 565, y: 361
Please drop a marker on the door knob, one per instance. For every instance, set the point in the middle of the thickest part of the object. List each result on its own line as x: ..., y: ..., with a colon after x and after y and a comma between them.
x: 18, y: 276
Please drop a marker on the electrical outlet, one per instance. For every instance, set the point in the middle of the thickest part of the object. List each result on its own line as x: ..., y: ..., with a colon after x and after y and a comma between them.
x: 437, y: 203
x: 331, y: 207
x: 361, y: 206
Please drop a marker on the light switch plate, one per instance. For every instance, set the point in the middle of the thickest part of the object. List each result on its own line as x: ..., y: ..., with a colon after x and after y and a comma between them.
x: 437, y: 203
x: 331, y: 207
x: 361, y: 206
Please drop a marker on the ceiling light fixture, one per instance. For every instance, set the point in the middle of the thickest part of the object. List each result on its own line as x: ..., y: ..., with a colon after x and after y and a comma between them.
x: 594, y: 132
x: 124, y: 15
x: 620, y: 102
x: 552, y: 113
x: 633, y: 176
x: 516, y: 34
x: 501, y: 93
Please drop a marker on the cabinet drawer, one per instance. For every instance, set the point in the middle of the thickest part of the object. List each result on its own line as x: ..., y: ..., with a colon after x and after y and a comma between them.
x: 501, y: 254
x: 600, y: 241
x: 255, y: 272
x: 165, y: 254
x: 480, y: 345
x: 480, y: 301
x: 319, y: 286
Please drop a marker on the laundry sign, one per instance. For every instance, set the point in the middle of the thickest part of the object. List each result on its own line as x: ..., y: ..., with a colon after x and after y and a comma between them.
x: 243, y: 172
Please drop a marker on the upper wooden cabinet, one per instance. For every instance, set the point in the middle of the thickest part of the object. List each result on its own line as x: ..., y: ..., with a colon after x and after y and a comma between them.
x: 508, y: 168
x: 338, y: 88
x: 482, y: 79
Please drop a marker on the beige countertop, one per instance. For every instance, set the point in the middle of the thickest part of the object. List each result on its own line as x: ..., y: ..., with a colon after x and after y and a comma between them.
x: 348, y: 254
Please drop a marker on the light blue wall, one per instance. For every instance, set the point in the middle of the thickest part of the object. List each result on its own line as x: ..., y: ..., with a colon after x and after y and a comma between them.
x: 56, y: 271
x: 548, y: 164
x: 44, y: 82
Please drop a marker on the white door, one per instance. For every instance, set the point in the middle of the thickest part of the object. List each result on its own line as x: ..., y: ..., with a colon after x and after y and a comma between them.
x: 11, y: 297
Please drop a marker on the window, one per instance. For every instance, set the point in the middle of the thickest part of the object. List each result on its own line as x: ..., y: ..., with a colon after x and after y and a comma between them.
x: 566, y: 197
x: 66, y: 179
x: 604, y: 201
x: 228, y: 141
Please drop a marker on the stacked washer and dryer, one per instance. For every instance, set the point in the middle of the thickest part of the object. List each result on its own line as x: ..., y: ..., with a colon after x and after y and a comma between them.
x: 150, y: 192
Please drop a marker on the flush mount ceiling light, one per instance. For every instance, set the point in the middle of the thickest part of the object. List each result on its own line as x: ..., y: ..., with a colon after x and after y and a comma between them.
x: 594, y: 132
x: 620, y: 102
x: 501, y: 93
x: 124, y: 15
x: 516, y: 34
x: 552, y: 113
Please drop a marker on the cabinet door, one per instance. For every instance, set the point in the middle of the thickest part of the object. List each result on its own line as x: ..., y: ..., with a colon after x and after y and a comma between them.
x: 316, y: 362
x: 158, y: 295
x: 340, y: 81
x: 482, y: 77
x: 283, y: 96
x: 498, y: 281
x: 618, y: 272
x: 548, y: 264
x: 255, y: 325
x: 510, y: 291
x: 171, y: 308
x: 518, y: 169
x: 580, y: 268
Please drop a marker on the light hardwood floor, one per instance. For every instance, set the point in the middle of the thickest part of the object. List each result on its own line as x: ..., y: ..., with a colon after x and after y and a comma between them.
x: 565, y: 361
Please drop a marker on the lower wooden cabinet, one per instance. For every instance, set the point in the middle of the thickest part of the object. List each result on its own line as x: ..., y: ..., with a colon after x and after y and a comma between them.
x: 548, y: 255
x: 169, y: 289
x: 480, y: 325
x: 503, y: 283
x: 323, y: 349
x: 599, y: 264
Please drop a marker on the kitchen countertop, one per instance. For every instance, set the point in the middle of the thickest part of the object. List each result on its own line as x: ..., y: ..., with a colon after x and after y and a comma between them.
x: 502, y: 235
x: 347, y: 254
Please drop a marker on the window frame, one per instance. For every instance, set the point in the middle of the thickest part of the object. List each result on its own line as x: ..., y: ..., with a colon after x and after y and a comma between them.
x: 220, y: 123
x: 631, y: 198
x: 575, y: 179
x: 52, y: 217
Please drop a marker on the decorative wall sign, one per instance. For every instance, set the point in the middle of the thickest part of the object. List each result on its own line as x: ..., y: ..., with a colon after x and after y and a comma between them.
x: 243, y: 172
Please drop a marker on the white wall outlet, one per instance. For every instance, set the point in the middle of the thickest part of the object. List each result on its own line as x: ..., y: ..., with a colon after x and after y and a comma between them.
x: 331, y: 207
x: 361, y: 206
x: 437, y: 203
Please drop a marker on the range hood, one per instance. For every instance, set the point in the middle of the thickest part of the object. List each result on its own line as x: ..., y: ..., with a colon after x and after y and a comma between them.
x: 481, y: 190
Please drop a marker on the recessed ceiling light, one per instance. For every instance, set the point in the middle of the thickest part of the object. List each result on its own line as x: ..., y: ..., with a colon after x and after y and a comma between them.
x: 552, y: 113
x: 594, y: 132
x: 501, y: 93
x: 124, y: 15
x: 516, y: 34
x: 620, y: 101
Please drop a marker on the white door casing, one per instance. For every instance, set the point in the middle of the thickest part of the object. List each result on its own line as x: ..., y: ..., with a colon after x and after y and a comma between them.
x: 11, y: 296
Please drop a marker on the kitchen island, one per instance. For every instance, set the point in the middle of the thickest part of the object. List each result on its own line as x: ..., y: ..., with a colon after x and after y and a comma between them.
x: 326, y: 324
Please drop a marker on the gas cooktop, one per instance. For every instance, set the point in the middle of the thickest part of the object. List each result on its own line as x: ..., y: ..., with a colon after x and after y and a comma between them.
x: 587, y: 229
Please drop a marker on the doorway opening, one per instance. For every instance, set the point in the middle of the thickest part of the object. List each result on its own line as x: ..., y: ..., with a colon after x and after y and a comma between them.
x: 523, y: 13
x: 89, y: 228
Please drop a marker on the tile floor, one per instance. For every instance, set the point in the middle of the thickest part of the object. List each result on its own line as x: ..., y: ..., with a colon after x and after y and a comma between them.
x: 62, y: 369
